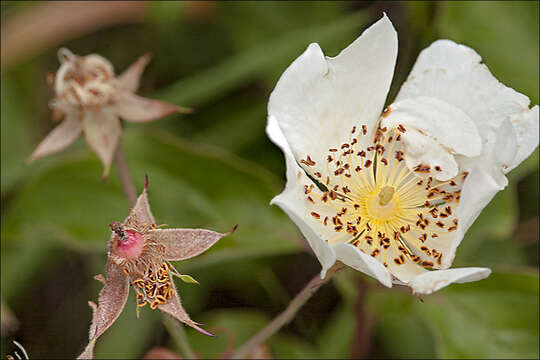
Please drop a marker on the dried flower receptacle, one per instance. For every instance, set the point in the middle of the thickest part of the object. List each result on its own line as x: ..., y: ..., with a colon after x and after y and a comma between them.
x: 91, y: 99
x: 140, y: 255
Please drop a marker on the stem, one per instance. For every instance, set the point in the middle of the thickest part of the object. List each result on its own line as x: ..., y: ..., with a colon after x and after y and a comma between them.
x: 288, y: 314
x: 178, y: 334
x: 125, y: 178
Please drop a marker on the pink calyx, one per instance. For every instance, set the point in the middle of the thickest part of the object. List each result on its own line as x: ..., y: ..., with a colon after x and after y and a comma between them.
x: 131, y: 247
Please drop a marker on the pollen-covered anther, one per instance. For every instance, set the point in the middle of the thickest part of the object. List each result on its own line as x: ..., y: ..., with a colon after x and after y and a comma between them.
x: 155, y: 289
x: 374, y: 195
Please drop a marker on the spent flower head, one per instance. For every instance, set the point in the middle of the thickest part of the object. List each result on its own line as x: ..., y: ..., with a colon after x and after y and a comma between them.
x: 392, y: 192
x: 139, y: 255
x: 90, y: 99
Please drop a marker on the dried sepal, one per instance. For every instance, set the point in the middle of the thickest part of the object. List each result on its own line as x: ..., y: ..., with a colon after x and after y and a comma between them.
x: 140, y: 215
x: 137, y: 257
x: 133, y: 108
x: 112, y: 300
x: 174, y: 308
x: 102, y: 131
x: 59, y: 138
x: 130, y: 78
x: 89, y: 98
x: 182, y: 244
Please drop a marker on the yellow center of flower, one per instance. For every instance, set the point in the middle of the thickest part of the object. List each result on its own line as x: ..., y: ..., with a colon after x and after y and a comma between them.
x: 381, y: 204
x: 375, y: 202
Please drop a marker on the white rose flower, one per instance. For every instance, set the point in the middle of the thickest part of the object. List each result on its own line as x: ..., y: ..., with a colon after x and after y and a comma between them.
x: 391, y: 193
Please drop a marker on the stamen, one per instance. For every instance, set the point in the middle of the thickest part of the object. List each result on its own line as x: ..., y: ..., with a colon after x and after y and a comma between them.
x: 380, y: 205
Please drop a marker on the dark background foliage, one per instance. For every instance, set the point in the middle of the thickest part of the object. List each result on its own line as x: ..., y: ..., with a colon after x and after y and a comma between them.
x: 216, y: 168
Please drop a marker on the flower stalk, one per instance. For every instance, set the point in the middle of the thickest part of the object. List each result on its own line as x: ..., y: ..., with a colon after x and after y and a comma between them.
x: 288, y: 314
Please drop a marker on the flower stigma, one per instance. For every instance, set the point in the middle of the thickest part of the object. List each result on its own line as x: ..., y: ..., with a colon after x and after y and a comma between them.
x: 373, y: 200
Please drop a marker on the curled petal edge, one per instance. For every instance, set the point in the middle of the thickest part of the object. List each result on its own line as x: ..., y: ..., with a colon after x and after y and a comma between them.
x: 432, y: 281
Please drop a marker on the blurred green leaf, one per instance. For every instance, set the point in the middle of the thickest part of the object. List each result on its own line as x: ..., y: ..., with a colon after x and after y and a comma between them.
x: 231, y: 327
x: 22, y: 260
x: 492, y: 318
x: 245, y: 66
x: 399, y: 331
x: 163, y: 13
x: 190, y: 186
x: 234, y: 327
x: 14, y: 131
x: 235, y: 126
x: 291, y: 347
x: 336, y: 339
x: 527, y: 167
x: 499, y: 217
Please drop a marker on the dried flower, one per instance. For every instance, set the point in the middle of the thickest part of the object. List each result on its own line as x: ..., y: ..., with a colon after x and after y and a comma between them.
x: 139, y: 255
x: 392, y: 192
x: 89, y: 98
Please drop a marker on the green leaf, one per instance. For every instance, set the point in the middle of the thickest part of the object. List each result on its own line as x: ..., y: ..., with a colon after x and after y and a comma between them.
x: 398, y: 327
x: 190, y: 186
x: 498, y: 218
x: 497, y: 317
x: 165, y: 13
x: 187, y: 279
x: 256, y: 61
x: 336, y: 339
x: 234, y: 327
x: 16, y: 144
x: 291, y: 347
x: 231, y: 327
x: 493, y: 318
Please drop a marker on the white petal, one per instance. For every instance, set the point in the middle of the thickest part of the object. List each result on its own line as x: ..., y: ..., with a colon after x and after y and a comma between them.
x: 102, y: 131
x: 276, y: 135
x: 432, y: 281
x: 318, y: 99
x: 423, y: 150
x: 443, y: 122
x: 486, y: 178
x: 435, y: 131
x: 454, y: 73
x: 59, y: 138
x: 527, y: 130
x: 294, y: 203
x: 353, y: 257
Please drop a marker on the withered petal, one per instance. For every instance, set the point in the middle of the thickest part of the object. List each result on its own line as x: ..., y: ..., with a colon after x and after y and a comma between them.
x: 129, y: 79
x: 59, y: 138
x: 181, y: 244
x: 141, y: 214
x: 111, y: 302
x: 133, y: 108
x: 174, y: 308
x: 102, y: 131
